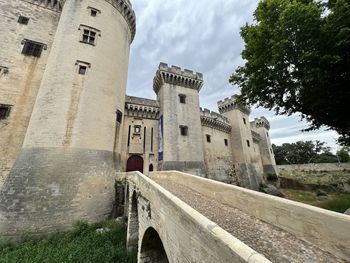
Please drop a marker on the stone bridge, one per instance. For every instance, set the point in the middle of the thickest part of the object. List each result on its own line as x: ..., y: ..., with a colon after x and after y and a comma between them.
x: 177, y: 217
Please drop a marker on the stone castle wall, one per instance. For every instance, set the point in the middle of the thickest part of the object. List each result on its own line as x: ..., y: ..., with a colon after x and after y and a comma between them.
x: 20, y: 85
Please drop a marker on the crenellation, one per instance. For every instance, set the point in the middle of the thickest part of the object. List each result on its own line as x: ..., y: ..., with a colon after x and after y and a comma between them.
x: 229, y: 104
x: 176, y: 76
x: 262, y: 122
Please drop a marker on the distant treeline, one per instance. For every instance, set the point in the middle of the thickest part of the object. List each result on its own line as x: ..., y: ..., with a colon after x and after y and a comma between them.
x: 303, y: 152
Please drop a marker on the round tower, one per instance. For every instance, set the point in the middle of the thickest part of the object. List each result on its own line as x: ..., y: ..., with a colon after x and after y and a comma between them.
x: 65, y: 171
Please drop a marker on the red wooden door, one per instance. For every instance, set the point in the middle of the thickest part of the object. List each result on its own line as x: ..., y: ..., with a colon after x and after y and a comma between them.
x: 135, y: 163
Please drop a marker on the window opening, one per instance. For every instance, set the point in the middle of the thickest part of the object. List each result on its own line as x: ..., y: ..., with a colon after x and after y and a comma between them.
x: 32, y: 48
x: 119, y: 116
x: 82, y: 70
x: 208, y: 138
x: 226, y: 142
x: 248, y: 143
x: 244, y: 121
x: 23, y: 20
x: 184, y: 130
x: 182, y: 98
x: 4, y: 111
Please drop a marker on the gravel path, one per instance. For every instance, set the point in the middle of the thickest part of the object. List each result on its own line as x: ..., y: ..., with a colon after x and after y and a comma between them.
x: 277, y: 245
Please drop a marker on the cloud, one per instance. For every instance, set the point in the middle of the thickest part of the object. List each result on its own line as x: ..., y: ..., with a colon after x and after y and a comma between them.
x: 202, y: 36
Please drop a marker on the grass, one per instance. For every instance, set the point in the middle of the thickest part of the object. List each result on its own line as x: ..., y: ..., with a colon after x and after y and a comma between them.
x: 82, y: 244
x: 337, y: 202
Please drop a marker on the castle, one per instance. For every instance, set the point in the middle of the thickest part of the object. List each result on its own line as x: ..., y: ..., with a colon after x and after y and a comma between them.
x: 66, y: 124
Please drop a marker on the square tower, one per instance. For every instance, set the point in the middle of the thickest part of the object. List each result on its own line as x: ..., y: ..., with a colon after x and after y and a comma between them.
x: 180, y: 145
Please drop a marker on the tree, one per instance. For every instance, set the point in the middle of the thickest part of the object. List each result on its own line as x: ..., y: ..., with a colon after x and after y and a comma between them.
x: 303, y: 152
x: 343, y: 155
x: 297, y: 61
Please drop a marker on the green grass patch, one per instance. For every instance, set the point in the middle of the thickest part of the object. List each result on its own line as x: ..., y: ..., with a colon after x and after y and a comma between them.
x: 306, y: 197
x: 82, y: 244
x: 337, y: 202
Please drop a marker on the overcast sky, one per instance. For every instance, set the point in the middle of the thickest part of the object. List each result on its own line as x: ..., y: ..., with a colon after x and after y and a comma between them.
x: 203, y: 36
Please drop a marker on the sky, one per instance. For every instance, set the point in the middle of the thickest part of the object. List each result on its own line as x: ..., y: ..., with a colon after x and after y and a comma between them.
x: 203, y: 36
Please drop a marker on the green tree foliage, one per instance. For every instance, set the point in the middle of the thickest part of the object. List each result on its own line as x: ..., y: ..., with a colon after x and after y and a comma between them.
x: 343, y: 154
x: 303, y: 152
x: 298, y: 61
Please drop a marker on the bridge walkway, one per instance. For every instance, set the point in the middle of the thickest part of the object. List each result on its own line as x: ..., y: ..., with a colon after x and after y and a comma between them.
x: 276, y: 244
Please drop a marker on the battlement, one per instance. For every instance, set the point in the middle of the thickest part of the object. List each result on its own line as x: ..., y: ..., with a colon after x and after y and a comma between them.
x: 176, y: 76
x: 123, y: 6
x: 49, y: 4
x: 141, y: 108
x: 229, y: 104
x: 262, y: 122
x: 215, y: 120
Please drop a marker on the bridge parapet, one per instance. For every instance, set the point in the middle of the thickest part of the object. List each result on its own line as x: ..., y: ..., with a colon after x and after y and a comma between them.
x: 185, y: 235
x: 326, y: 230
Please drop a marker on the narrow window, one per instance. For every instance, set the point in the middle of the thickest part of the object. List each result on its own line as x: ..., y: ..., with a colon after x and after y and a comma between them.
x: 32, y: 48
x: 208, y: 138
x: 182, y: 98
x: 4, y: 70
x: 152, y: 140
x: 23, y: 20
x: 82, y: 67
x: 184, y: 130
x: 119, y: 116
x: 4, y: 111
x: 271, y: 150
x: 226, y: 142
x: 93, y: 12
x: 82, y: 70
x: 151, y: 168
x: 137, y: 129
x: 248, y: 143
x: 267, y: 134
x: 244, y: 121
x: 144, y: 139
x: 129, y: 135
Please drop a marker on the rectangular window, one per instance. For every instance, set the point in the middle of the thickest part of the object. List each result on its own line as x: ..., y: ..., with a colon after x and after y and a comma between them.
x: 82, y: 70
x: 226, y: 142
x: 93, y: 12
x: 267, y: 134
x: 23, y: 20
x: 248, y: 143
x: 119, y: 116
x: 208, y: 138
x: 4, y: 111
x: 182, y: 98
x: 184, y: 130
x: 244, y: 121
x: 89, y: 37
x: 3, y: 70
x: 32, y: 48
x: 137, y: 129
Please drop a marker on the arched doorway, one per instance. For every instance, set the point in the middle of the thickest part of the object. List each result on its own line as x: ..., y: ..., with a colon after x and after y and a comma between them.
x: 151, y: 168
x: 135, y: 163
x: 152, y: 249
